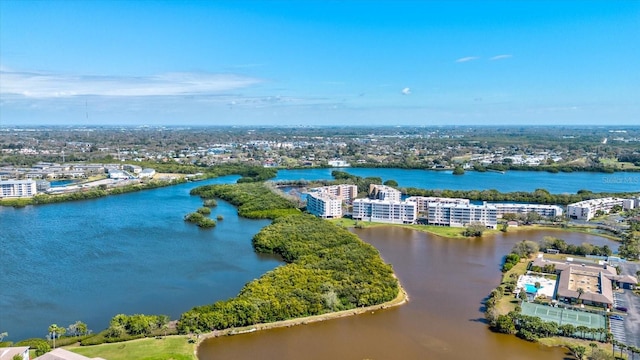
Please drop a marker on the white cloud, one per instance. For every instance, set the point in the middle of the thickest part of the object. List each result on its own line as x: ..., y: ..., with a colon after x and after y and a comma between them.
x: 49, y: 85
x: 406, y: 91
x: 500, y: 57
x: 468, y: 58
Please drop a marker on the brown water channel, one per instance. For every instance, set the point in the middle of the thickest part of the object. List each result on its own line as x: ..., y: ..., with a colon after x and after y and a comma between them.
x: 446, y: 280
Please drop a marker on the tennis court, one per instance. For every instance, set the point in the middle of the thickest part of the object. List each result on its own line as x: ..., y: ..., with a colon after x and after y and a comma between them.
x: 563, y: 316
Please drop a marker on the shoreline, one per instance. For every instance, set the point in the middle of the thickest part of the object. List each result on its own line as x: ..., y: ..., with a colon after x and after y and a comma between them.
x: 400, y: 299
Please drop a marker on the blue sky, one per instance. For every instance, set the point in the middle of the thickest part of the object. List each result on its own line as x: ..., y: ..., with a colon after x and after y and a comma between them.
x: 319, y: 62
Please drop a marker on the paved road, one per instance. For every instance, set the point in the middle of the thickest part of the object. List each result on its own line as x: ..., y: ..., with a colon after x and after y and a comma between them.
x: 632, y: 303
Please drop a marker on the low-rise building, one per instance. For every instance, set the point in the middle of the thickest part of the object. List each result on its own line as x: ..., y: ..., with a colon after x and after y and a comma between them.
x: 587, y: 209
x: 461, y: 215
x: 395, y: 212
x: 383, y: 192
x: 589, y: 283
x: 14, y: 352
x: 147, y: 174
x: 424, y: 201
x: 17, y: 188
x: 62, y: 354
x: 118, y: 175
x: 542, y: 210
x: 324, y: 205
x: 346, y: 192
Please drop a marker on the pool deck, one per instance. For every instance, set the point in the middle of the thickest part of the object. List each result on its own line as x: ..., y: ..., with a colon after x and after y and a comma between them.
x: 547, y: 286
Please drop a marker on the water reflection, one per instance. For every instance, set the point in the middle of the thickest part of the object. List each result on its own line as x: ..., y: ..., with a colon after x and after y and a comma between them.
x: 446, y: 281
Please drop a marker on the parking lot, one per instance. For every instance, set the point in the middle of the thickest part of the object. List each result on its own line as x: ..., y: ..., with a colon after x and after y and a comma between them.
x: 618, y: 322
x: 629, y: 328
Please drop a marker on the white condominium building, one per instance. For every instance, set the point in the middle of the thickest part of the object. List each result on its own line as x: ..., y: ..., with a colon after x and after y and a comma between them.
x: 324, y: 205
x: 542, y: 210
x: 346, y: 192
x: 383, y: 192
x: 460, y: 215
x: 385, y: 211
x: 17, y: 188
x: 585, y: 210
x: 424, y: 201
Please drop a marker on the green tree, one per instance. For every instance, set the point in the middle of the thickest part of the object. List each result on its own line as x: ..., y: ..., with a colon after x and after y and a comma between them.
x: 578, y: 351
x: 42, y: 348
x: 55, y: 332
x: 458, y: 170
x: 391, y: 183
x: 474, y: 230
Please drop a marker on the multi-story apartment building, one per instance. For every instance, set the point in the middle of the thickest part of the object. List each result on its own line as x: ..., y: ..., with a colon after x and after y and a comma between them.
x: 17, y: 188
x: 383, y: 192
x: 424, y: 201
x: 346, y: 192
x: 385, y: 211
x: 460, y: 215
x: 585, y: 210
x: 542, y: 210
x: 324, y: 205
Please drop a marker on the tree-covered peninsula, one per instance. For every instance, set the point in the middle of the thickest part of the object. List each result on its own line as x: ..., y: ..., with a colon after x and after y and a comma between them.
x: 327, y: 268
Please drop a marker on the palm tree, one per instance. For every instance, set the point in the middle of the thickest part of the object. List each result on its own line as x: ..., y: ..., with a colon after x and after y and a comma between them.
x: 593, y: 347
x: 582, y: 329
x: 580, y: 292
x: 609, y: 337
x: 3, y: 335
x: 622, y: 347
x: 56, y: 331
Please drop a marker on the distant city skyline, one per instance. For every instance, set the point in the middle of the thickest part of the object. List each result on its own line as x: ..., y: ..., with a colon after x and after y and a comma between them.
x: 318, y: 63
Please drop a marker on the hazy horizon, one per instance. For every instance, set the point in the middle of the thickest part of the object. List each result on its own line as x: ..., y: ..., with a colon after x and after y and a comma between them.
x: 319, y: 63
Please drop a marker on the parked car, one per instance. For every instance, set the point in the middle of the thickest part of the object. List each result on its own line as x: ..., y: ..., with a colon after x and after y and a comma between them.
x: 621, y: 308
x: 617, y: 317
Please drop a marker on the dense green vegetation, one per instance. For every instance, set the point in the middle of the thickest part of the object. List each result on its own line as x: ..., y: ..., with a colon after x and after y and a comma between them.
x: 254, y: 200
x: 93, y: 193
x: 204, y: 210
x: 550, y: 242
x: 539, y: 196
x: 630, y: 247
x: 249, y: 173
x: 474, y: 230
x: 199, y: 219
x: 329, y: 269
x: 129, y: 327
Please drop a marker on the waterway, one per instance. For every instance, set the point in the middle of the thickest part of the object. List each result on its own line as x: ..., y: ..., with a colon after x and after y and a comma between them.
x: 130, y: 253
x: 473, y: 180
x: 446, y: 281
x: 133, y: 253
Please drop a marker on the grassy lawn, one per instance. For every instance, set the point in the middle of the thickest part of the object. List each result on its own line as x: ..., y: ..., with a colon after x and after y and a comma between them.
x: 444, y: 231
x: 566, y: 342
x: 614, y: 163
x: 168, y: 348
x: 508, y: 302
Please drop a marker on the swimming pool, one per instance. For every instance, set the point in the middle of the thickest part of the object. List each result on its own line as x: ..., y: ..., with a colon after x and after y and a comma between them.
x: 530, y: 288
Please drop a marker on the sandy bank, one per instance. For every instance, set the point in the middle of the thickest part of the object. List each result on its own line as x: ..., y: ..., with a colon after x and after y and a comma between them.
x: 400, y: 299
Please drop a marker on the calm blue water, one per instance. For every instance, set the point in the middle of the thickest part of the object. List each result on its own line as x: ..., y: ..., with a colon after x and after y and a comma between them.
x: 133, y: 253
x: 530, y: 288
x: 61, y: 183
x: 472, y: 180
